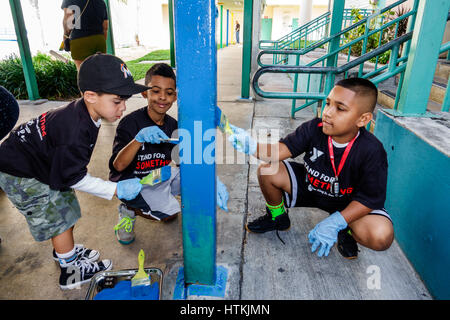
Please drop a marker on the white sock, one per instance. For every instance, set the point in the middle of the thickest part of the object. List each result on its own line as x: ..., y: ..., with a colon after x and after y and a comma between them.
x: 67, y: 257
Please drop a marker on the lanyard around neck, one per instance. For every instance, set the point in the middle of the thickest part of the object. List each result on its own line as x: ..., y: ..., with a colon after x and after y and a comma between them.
x: 344, y: 156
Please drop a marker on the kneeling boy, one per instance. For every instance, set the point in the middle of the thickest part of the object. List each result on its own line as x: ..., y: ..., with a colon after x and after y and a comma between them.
x: 344, y: 173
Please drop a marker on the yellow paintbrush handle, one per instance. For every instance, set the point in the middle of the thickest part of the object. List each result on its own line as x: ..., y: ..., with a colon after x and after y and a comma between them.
x: 141, y: 260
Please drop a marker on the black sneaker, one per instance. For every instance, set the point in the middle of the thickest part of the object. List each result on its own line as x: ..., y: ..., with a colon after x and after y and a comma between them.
x: 81, y: 271
x: 346, y: 245
x: 82, y: 252
x: 266, y: 223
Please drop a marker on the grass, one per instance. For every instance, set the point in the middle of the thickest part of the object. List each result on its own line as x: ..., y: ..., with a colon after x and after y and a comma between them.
x: 138, y: 70
x: 56, y: 80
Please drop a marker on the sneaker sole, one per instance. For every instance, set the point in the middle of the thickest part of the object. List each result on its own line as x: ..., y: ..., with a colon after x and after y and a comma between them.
x: 122, y: 241
x: 348, y: 258
x: 246, y: 228
x: 78, y: 284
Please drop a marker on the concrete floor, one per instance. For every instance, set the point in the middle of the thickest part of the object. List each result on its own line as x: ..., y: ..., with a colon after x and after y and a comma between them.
x: 259, y: 266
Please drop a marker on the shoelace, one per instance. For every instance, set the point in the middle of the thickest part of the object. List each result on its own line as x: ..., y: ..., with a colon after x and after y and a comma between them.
x: 278, y: 235
x: 125, y: 223
x: 80, y: 251
x: 86, y: 266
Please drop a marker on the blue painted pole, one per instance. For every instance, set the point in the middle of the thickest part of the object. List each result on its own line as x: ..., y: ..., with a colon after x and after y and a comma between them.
x: 196, y: 60
x: 228, y: 25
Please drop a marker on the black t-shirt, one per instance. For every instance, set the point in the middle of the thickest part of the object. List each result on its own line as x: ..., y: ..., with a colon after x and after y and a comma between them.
x: 363, y: 177
x: 91, y: 21
x: 54, y: 148
x: 150, y: 156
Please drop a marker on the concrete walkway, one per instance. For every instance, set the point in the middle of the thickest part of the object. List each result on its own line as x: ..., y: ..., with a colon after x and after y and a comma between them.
x: 259, y: 266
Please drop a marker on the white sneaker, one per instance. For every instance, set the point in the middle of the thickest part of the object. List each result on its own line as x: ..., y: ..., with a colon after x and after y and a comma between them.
x: 76, y: 273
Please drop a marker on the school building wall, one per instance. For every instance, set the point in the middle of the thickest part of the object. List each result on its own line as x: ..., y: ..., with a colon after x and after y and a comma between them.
x: 417, y: 195
x: 283, y: 17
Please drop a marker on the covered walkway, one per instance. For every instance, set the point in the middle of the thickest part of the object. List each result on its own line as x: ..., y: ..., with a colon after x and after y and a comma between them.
x: 259, y: 266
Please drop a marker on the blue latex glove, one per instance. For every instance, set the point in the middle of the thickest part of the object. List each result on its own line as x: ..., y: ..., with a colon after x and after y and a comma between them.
x: 151, y: 134
x: 222, y: 195
x: 325, y: 233
x: 128, y: 189
x: 242, y: 141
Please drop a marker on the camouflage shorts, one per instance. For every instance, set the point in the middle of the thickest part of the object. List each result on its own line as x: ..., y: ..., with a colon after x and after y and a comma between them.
x: 48, y: 212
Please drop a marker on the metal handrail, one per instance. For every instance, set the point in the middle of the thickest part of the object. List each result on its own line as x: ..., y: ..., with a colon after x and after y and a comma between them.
x: 330, y: 38
x: 325, y: 16
x: 392, y: 45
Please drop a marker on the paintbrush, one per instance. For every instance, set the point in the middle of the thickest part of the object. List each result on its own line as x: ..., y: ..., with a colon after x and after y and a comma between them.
x: 222, y: 122
x: 157, y: 176
x: 170, y: 140
x: 140, y: 283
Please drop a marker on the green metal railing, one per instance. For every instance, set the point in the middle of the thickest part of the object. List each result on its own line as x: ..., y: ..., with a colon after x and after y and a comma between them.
x: 308, y: 34
x: 393, y: 69
x: 373, y: 26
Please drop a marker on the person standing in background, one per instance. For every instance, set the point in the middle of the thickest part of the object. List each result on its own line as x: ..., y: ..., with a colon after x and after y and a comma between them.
x: 86, y: 25
x: 237, y: 29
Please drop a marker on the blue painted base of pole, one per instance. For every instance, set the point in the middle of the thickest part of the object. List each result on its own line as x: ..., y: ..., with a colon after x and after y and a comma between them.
x: 218, y: 290
x: 241, y: 99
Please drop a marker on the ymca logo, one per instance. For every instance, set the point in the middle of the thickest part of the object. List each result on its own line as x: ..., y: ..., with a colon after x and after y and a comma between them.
x: 125, y: 71
x: 316, y: 153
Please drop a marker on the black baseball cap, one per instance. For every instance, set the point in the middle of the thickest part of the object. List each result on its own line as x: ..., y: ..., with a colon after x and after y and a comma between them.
x: 108, y: 74
x: 9, y: 112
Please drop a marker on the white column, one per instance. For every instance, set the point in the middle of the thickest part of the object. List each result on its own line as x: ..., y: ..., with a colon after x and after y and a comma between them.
x: 305, y: 12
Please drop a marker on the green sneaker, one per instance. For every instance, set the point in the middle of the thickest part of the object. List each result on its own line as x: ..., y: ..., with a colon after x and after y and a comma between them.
x: 124, y: 230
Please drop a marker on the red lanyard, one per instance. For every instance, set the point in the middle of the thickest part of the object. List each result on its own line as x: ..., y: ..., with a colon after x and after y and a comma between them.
x: 344, y: 156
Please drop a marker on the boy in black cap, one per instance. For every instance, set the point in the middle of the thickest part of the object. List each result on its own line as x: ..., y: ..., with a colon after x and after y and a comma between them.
x: 9, y: 113
x: 344, y: 173
x: 45, y: 159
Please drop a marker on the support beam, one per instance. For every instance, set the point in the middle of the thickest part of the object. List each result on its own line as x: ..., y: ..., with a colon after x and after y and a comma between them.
x: 337, y: 14
x: 110, y: 47
x: 305, y: 12
x: 247, y: 49
x: 172, y: 37
x: 228, y: 25
x: 24, y: 48
x: 196, y: 58
x: 221, y: 26
x: 426, y: 41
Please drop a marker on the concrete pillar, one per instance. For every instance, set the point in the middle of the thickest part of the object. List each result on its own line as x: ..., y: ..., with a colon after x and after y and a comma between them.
x: 426, y: 42
x: 305, y: 12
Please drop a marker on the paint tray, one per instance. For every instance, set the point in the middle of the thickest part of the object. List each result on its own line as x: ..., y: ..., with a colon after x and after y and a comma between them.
x: 109, y: 279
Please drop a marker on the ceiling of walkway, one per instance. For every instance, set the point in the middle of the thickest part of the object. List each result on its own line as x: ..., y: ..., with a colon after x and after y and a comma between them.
x: 231, y: 4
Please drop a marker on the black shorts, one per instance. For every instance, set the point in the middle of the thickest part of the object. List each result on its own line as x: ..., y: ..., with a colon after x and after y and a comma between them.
x: 301, y: 197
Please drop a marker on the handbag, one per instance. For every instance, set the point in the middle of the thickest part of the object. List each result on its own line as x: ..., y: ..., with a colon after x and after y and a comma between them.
x: 66, y: 42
